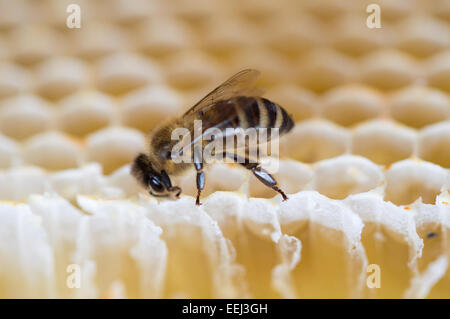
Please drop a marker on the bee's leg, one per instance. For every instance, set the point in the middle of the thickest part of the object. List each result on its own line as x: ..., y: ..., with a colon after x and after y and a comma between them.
x: 200, y: 181
x: 261, y: 174
x: 266, y: 179
x: 200, y: 177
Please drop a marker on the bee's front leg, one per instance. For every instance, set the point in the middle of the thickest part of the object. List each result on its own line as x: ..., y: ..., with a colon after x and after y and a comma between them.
x: 200, y: 177
x: 200, y: 185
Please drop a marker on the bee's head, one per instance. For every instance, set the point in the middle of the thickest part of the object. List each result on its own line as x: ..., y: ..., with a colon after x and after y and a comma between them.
x: 158, y: 184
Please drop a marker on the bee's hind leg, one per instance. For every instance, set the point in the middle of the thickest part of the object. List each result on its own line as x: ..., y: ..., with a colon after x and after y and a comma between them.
x: 262, y: 175
x: 266, y: 179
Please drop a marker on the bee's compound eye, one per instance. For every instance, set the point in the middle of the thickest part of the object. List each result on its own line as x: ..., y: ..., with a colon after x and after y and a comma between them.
x: 156, y: 185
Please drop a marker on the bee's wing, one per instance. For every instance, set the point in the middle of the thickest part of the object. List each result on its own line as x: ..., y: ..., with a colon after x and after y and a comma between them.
x: 219, y: 117
x: 242, y: 83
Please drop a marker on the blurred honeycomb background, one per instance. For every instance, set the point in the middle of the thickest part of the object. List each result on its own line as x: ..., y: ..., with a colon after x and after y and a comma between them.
x: 382, y: 92
x: 371, y: 105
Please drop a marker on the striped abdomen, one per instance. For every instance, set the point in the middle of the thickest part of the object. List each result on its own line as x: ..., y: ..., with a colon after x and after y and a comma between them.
x: 238, y: 112
x: 259, y: 112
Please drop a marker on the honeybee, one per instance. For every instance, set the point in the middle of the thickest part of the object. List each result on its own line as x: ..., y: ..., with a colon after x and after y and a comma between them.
x: 236, y: 103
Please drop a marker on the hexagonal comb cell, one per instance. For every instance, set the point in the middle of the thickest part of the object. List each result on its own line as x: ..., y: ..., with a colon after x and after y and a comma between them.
x: 434, y: 142
x: 61, y: 76
x: 146, y: 108
x: 313, y: 141
x: 113, y: 147
x: 349, y: 105
x: 337, y: 178
x: 85, y: 112
x: 383, y: 142
x: 419, y: 106
x: 408, y: 180
x: 25, y: 115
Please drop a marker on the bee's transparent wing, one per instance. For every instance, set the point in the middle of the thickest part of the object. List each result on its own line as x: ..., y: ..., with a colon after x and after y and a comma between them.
x: 242, y: 83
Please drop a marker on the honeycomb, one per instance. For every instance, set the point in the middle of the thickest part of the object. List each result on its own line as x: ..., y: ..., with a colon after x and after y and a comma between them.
x: 366, y: 165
